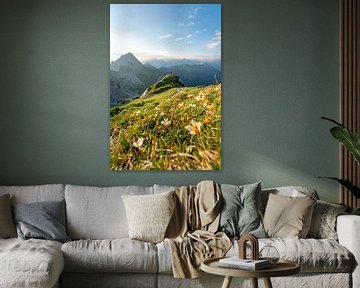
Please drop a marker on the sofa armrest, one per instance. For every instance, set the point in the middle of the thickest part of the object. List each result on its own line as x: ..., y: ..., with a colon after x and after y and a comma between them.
x: 348, y: 230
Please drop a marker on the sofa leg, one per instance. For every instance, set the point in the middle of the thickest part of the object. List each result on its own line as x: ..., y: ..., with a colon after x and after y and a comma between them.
x: 267, y: 283
x: 227, y: 282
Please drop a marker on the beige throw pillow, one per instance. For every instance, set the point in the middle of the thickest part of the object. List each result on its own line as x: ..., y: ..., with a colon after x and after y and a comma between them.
x: 288, y: 217
x: 149, y: 215
x: 7, y: 226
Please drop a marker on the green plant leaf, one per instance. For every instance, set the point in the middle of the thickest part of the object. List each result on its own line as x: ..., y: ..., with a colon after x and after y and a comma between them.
x: 333, y: 121
x: 348, y: 138
x: 355, y: 211
x: 347, y: 184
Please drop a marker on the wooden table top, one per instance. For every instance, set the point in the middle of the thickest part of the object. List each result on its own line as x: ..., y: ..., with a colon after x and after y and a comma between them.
x: 281, y: 268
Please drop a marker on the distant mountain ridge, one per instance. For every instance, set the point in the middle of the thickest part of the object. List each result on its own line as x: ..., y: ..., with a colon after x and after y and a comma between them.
x: 159, y: 63
x: 129, y: 78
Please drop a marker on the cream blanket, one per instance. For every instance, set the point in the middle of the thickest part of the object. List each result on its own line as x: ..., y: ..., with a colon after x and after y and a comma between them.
x: 191, y: 231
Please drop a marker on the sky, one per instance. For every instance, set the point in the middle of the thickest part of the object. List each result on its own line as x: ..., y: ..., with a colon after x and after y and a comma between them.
x: 158, y: 31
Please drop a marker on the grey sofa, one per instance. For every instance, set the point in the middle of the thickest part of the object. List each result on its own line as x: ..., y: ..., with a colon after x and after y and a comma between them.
x: 101, y: 254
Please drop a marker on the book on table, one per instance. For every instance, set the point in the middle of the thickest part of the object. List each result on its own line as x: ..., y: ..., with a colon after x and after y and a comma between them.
x: 249, y: 264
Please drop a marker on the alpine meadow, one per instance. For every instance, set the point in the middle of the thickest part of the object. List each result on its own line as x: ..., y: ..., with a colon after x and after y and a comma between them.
x: 179, y: 129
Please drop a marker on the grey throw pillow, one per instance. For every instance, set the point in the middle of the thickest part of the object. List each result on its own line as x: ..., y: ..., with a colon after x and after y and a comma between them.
x: 44, y: 220
x: 7, y: 226
x: 323, y: 222
x: 240, y: 213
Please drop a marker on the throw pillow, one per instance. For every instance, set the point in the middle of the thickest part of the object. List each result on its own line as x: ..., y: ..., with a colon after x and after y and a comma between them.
x: 323, y: 222
x: 44, y: 220
x: 149, y: 215
x: 288, y: 217
x: 7, y: 226
x: 240, y: 210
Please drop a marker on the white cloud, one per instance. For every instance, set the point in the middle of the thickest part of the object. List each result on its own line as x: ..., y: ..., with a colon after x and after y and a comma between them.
x: 165, y: 36
x: 213, y: 44
x: 191, y: 24
x: 193, y: 13
x: 197, y: 32
x: 179, y: 39
x: 181, y: 24
x: 215, y: 41
x: 144, y: 56
x: 189, y: 36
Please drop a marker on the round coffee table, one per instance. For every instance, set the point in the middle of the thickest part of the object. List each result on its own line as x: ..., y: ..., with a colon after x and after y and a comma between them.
x: 281, y: 268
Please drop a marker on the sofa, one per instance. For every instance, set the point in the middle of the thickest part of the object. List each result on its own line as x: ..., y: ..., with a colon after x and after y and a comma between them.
x: 100, y: 253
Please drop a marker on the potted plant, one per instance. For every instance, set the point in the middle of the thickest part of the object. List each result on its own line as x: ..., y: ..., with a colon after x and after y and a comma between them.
x: 351, y: 141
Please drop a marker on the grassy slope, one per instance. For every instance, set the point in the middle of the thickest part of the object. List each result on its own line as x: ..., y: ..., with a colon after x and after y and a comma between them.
x: 177, y: 129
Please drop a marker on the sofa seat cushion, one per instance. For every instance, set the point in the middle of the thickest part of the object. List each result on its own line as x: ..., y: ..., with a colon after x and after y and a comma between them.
x: 30, y: 263
x: 115, y: 255
x: 313, y: 255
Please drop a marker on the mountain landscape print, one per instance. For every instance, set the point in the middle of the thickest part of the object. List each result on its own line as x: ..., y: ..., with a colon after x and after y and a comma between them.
x: 165, y: 86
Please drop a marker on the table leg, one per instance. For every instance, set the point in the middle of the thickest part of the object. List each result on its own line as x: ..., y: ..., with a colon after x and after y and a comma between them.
x: 254, y: 282
x: 267, y: 283
x: 227, y: 282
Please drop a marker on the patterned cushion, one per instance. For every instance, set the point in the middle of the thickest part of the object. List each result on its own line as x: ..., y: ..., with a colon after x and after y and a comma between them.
x: 323, y: 221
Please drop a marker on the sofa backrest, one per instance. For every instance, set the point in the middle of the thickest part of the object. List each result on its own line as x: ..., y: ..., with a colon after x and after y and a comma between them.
x: 36, y: 193
x: 163, y: 188
x: 98, y: 213
x: 293, y: 191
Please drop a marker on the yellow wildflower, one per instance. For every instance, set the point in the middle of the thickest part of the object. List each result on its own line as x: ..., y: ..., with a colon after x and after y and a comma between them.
x: 194, y: 128
x: 207, y: 120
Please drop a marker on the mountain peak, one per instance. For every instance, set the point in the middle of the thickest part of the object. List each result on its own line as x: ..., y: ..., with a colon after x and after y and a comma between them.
x: 128, y: 58
x: 128, y: 55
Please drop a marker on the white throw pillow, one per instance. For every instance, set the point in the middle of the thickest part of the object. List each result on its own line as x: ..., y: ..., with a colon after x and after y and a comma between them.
x: 149, y: 215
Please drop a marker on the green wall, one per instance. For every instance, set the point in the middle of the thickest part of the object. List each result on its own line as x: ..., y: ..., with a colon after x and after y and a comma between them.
x: 280, y: 75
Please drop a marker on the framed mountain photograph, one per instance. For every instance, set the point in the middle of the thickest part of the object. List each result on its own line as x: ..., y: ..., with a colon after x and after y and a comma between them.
x: 165, y: 86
